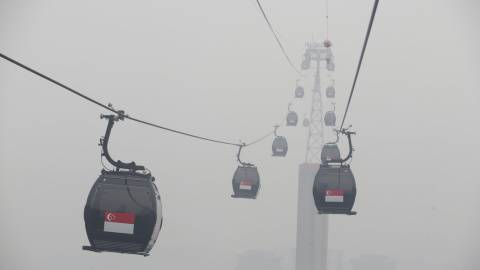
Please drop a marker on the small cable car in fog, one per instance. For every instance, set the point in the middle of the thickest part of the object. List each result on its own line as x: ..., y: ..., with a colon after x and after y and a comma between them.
x: 330, y: 118
x: 330, y: 66
x: 330, y: 152
x: 334, y: 188
x: 306, y: 61
x: 292, y: 119
x: 306, y: 122
x: 246, y: 180
x: 123, y: 212
x: 299, y: 92
x: 330, y: 92
x: 279, y: 145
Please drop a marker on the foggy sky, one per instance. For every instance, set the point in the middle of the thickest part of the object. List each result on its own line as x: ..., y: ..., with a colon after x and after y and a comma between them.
x: 214, y: 69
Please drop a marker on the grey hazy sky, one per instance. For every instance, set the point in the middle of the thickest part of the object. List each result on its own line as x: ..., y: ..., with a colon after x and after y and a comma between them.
x: 213, y: 68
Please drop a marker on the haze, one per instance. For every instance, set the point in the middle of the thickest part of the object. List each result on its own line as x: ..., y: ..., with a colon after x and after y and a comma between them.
x: 214, y: 69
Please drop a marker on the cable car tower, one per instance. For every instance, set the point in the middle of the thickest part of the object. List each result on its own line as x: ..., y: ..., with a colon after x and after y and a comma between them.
x: 315, y: 52
x: 312, y: 229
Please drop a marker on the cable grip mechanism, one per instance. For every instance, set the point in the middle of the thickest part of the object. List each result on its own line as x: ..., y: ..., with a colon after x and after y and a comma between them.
x: 104, y: 143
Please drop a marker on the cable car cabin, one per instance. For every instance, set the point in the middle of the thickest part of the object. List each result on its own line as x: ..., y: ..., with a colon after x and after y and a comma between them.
x: 246, y: 182
x: 305, y: 64
x: 330, y: 152
x: 330, y: 66
x: 334, y: 189
x: 299, y: 92
x: 306, y: 122
x: 330, y: 118
x: 292, y: 119
x: 123, y: 213
x: 279, y: 147
x: 330, y: 92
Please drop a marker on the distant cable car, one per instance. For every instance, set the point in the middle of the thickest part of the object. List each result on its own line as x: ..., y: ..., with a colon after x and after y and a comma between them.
x: 306, y: 122
x: 246, y: 180
x: 279, y: 145
x: 305, y: 64
x: 334, y: 188
x: 123, y: 212
x: 299, y: 92
x: 330, y: 92
x: 327, y: 43
x: 330, y: 118
x: 330, y: 66
x: 330, y: 152
x: 292, y: 119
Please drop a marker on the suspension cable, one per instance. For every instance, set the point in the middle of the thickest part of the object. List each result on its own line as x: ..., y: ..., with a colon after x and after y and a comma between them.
x: 122, y: 113
x: 361, y: 58
x: 279, y: 43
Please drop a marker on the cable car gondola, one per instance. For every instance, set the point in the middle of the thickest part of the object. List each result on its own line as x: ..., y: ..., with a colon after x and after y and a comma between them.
x: 306, y: 122
x: 330, y: 66
x: 334, y: 188
x: 330, y: 152
x: 330, y: 92
x: 306, y: 60
x: 330, y: 118
x: 246, y: 180
x: 299, y: 92
x: 279, y: 145
x: 123, y: 212
x: 292, y: 118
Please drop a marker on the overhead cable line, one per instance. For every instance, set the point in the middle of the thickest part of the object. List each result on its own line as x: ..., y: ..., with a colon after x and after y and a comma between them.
x: 279, y: 43
x: 121, y: 113
x: 57, y: 83
x: 361, y: 58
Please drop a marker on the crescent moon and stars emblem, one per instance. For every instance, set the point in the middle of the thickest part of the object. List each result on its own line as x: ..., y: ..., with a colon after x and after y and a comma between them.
x: 329, y: 192
x: 111, y: 217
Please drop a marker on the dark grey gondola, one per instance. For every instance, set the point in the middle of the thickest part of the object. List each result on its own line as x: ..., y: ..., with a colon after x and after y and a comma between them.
x: 279, y: 147
x: 292, y: 119
x: 306, y: 122
x: 330, y: 118
x: 123, y: 212
x: 330, y: 92
x: 330, y: 152
x: 299, y: 92
x: 334, y: 188
x: 246, y: 182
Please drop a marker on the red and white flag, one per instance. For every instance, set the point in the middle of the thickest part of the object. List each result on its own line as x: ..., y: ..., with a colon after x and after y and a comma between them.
x: 333, y: 195
x: 279, y: 149
x: 246, y: 185
x: 330, y: 157
x: 119, y: 222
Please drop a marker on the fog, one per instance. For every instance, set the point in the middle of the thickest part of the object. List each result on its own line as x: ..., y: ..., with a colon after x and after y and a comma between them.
x: 214, y: 69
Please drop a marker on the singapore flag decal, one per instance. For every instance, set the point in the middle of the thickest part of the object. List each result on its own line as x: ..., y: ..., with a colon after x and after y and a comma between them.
x: 119, y: 222
x: 279, y: 149
x: 246, y: 185
x: 333, y: 195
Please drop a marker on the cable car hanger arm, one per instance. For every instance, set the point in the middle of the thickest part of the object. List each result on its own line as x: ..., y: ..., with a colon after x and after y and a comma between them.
x: 120, y: 165
x: 348, y: 133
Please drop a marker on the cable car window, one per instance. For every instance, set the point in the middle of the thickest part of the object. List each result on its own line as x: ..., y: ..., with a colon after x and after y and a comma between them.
x: 123, y: 199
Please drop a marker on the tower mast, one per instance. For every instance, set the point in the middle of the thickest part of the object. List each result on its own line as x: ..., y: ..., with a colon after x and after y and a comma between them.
x: 312, y: 229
